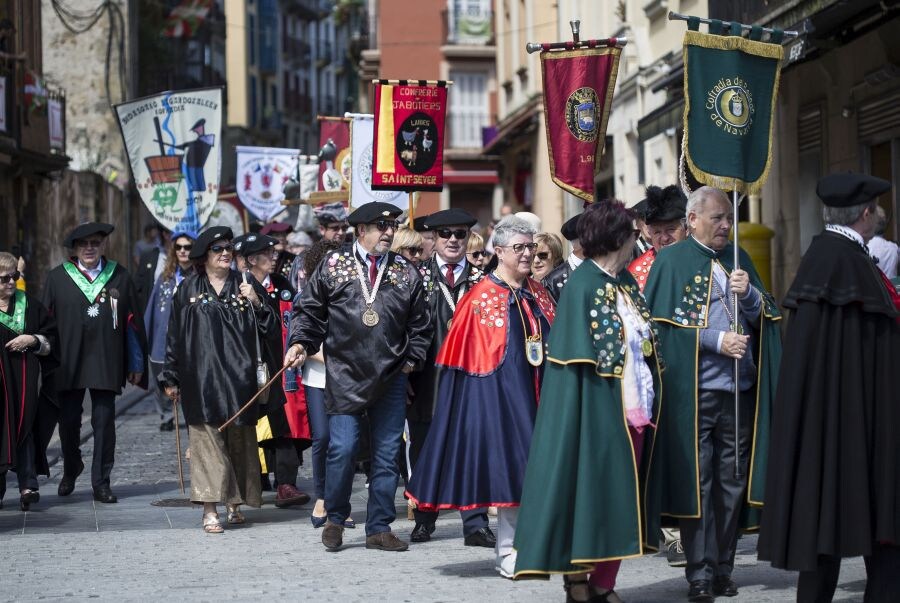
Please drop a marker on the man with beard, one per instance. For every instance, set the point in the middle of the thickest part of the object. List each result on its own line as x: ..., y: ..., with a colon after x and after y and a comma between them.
x: 367, y: 306
x: 556, y: 280
x: 447, y: 277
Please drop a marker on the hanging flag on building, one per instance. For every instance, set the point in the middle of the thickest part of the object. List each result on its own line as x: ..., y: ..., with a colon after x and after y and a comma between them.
x: 186, y: 18
x: 173, y: 141
x: 361, y: 191
x: 730, y: 87
x: 409, y: 135
x: 262, y: 173
x: 578, y: 93
x: 334, y: 154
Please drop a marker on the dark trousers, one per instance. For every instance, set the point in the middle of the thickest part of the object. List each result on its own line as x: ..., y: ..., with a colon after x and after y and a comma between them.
x: 287, y: 461
x: 473, y: 519
x: 882, y: 571
x: 711, y: 540
x: 318, y: 424
x: 25, y: 471
x: 103, y: 422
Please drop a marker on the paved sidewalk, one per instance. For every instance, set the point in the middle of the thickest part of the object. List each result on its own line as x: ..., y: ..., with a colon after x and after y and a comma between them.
x: 77, y: 549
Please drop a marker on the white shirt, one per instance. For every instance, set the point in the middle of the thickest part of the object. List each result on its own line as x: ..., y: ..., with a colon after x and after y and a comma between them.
x: 362, y: 253
x: 886, y: 252
x: 92, y: 273
x: 457, y: 272
x: 847, y: 232
x: 575, y: 261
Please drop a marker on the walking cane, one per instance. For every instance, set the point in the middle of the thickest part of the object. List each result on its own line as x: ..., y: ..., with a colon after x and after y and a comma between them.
x: 178, y: 445
x: 252, y: 400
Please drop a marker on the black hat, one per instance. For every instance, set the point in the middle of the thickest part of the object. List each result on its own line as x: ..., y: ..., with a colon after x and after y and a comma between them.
x: 450, y: 217
x: 330, y: 213
x: 419, y: 224
x: 569, y: 229
x: 276, y: 227
x: 844, y: 190
x: 207, y: 238
x: 640, y: 209
x: 664, y: 204
x: 372, y: 212
x: 82, y: 231
x: 247, y: 245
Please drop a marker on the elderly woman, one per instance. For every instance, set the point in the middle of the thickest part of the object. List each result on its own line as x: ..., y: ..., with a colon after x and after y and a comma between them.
x: 549, y: 255
x: 212, y: 346
x: 475, y: 253
x: 409, y: 244
x: 178, y: 266
x: 27, y: 334
x: 600, y: 404
x: 493, y: 356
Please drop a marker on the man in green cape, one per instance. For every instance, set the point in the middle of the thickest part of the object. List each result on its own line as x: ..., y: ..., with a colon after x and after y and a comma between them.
x: 689, y: 291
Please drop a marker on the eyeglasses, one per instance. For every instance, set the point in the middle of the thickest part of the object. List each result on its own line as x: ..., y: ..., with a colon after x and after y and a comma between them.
x: 459, y: 233
x: 383, y: 225
x: 88, y: 243
x: 477, y: 254
x: 543, y: 256
x: 519, y: 248
x: 12, y: 277
x: 221, y: 248
x: 187, y: 247
x: 415, y: 250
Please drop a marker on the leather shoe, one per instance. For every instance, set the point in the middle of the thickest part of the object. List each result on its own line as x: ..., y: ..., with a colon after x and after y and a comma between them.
x: 104, y: 494
x: 699, y: 592
x: 332, y: 536
x: 288, y: 495
x: 67, y: 483
x: 386, y: 541
x: 422, y: 532
x: 483, y: 537
x: 724, y: 586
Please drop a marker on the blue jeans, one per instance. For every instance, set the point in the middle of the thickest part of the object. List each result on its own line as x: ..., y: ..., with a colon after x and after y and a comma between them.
x: 318, y: 424
x: 386, y: 417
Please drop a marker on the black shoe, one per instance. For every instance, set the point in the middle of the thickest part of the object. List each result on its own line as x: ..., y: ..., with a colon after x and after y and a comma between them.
x: 28, y: 497
x: 104, y: 494
x: 699, y: 592
x: 724, y: 586
x: 422, y: 532
x: 167, y: 425
x: 483, y: 537
x: 67, y: 483
x: 264, y: 484
x: 333, y: 536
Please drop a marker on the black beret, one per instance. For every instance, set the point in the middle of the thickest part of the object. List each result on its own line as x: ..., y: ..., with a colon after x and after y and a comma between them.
x: 450, y: 217
x: 249, y: 244
x: 569, y: 229
x: 83, y: 231
x: 664, y: 204
x: 419, y: 224
x: 207, y: 238
x: 844, y: 190
x: 372, y: 212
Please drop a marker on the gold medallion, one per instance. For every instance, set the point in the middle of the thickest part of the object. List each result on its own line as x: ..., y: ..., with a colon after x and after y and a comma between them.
x: 647, y: 348
x: 370, y: 317
x: 534, y: 351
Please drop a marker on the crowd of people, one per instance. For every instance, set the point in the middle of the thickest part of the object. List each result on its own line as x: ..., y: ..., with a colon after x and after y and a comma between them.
x: 637, y: 393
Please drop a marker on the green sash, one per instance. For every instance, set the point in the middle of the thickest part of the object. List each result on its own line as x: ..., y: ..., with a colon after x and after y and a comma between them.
x: 90, y: 288
x: 16, y: 322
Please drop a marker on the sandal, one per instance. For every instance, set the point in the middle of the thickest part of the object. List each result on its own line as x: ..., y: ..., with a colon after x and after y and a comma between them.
x: 211, y: 524
x: 234, y: 515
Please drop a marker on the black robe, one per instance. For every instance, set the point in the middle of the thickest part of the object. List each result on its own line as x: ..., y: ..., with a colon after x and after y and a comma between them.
x: 20, y: 374
x: 557, y: 279
x: 145, y: 277
x: 211, y: 348
x: 361, y: 360
x: 424, y: 383
x: 92, y: 353
x: 835, y: 445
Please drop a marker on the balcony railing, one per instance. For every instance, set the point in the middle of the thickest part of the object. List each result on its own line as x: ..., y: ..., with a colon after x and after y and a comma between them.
x: 469, y: 23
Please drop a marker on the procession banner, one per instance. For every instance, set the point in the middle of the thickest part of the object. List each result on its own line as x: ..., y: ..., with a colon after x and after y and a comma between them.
x: 173, y: 145
x: 361, y: 191
x: 730, y: 87
x: 578, y: 93
x: 334, y: 167
x: 262, y: 173
x: 409, y: 135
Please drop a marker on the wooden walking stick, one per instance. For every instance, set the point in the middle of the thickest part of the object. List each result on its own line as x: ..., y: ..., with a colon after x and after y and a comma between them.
x: 252, y: 400
x: 178, y: 445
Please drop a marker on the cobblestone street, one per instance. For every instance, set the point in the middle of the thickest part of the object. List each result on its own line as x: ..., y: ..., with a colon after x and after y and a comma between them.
x: 76, y: 549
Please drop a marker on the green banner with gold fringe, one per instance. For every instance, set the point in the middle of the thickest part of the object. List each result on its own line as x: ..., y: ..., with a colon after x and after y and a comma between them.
x: 730, y: 88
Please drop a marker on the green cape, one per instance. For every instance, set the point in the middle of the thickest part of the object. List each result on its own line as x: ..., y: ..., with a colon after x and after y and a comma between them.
x: 678, y: 292
x: 584, y: 499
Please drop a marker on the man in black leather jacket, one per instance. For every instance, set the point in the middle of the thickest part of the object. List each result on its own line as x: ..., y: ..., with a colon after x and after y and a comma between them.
x: 556, y: 280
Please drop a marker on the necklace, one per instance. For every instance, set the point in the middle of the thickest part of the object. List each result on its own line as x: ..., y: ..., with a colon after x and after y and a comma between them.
x: 450, y: 301
x: 737, y: 328
x: 370, y: 317
x: 534, y: 348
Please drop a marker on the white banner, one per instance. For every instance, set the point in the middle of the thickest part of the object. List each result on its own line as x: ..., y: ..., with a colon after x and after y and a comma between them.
x: 173, y: 142
x: 261, y: 175
x: 361, y: 138
x: 55, y: 119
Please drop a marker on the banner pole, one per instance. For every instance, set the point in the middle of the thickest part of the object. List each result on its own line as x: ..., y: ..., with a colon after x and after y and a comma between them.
x: 412, y: 208
x: 738, y: 474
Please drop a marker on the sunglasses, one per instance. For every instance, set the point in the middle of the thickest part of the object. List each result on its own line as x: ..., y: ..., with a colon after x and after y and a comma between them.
x: 10, y: 278
x: 340, y: 226
x: 383, y: 225
x: 519, y: 248
x: 459, y: 233
x: 221, y: 248
x: 477, y: 254
x: 543, y: 256
x: 187, y: 247
x: 89, y: 243
x: 415, y: 250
